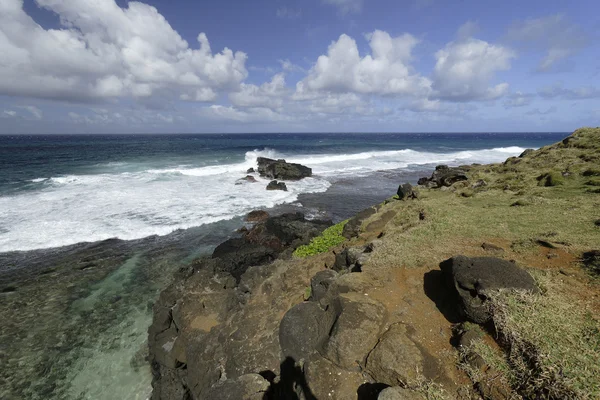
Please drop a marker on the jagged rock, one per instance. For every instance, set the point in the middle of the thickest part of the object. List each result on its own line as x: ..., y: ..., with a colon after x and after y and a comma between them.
x: 351, y: 258
x: 478, y: 184
x: 396, y: 360
x: 250, y: 171
x: 304, y: 328
x: 474, y: 279
x: 280, y: 169
x: 246, y: 387
x: 320, y: 283
x: 275, y: 185
x: 406, y: 192
x: 591, y: 259
x: 257, y: 216
x: 398, y: 393
x: 247, y: 178
x: 444, y: 176
x: 237, y: 255
x: 356, y: 330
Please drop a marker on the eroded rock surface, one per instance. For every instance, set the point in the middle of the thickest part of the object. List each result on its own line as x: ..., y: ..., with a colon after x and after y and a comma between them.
x: 280, y: 169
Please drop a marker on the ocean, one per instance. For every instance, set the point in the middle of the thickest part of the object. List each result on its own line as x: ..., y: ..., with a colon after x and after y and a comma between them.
x: 92, y: 228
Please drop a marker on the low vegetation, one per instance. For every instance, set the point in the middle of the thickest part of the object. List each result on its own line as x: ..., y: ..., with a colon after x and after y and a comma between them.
x: 330, y: 237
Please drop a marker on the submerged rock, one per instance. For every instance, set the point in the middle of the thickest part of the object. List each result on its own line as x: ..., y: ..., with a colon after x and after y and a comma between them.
x: 280, y: 169
x: 475, y: 279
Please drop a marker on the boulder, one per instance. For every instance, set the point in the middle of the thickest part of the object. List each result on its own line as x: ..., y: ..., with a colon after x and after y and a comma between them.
x: 246, y: 387
x: 591, y: 259
x: 356, y: 331
x: 351, y: 259
x: 475, y: 279
x: 304, y: 329
x: 398, y: 393
x: 444, y: 176
x: 274, y: 185
x: 257, y: 216
x: 320, y: 283
x: 406, y: 192
x: 280, y: 169
x: 396, y: 360
x: 294, y: 227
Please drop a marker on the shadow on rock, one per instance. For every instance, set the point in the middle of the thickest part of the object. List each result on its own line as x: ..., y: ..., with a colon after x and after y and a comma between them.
x: 370, y: 391
x: 292, y: 383
x: 435, y: 287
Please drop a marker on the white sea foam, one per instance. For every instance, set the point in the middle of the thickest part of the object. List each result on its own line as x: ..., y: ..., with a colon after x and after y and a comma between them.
x: 129, y: 205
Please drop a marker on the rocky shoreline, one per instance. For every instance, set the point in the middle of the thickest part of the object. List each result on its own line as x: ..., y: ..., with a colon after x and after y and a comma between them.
x: 255, y: 322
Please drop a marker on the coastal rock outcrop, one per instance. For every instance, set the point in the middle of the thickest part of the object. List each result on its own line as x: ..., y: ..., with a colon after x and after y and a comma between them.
x: 406, y: 192
x: 475, y: 280
x: 275, y: 185
x: 280, y: 169
x: 444, y: 176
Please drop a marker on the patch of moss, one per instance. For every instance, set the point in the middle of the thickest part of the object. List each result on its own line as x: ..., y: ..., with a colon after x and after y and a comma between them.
x: 330, y: 237
x: 551, y: 178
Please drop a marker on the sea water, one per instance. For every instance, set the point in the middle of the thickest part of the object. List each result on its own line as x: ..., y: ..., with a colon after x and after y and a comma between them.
x: 78, y: 314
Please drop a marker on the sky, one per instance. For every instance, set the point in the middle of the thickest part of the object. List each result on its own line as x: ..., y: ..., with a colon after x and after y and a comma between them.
x: 207, y: 66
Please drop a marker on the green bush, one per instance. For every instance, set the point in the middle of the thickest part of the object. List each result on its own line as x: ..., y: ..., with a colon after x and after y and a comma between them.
x: 330, y: 237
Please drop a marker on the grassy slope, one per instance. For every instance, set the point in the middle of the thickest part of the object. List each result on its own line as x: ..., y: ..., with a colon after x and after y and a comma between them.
x: 558, y: 324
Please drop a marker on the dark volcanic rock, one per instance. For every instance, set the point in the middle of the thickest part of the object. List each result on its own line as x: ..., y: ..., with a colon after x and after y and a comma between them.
x: 406, y: 192
x: 247, y: 178
x: 274, y: 185
x: 280, y: 169
x: 304, y: 328
x: 474, y: 279
x: 444, y: 176
x: 398, y: 393
x: 237, y: 255
x: 591, y: 259
x: 246, y: 387
x: 257, y: 216
x: 352, y: 227
x: 320, y: 283
x: 250, y: 171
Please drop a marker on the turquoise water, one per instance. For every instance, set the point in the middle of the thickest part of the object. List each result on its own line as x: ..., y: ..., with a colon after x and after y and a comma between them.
x: 76, y: 316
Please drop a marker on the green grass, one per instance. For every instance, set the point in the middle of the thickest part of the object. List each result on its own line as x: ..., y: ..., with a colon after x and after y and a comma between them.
x: 330, y: 237
x: 553, y: 342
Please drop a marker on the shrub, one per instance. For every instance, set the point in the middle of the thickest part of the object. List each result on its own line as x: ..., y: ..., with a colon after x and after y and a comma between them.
x: 330, y: 237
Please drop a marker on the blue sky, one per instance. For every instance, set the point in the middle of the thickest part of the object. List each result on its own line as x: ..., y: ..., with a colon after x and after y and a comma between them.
x: 298, y: 65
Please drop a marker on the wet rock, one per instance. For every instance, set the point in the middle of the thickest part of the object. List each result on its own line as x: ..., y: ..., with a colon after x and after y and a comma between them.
x: 246, y: 387
x: 304, y: 328
x: 396, y: 360
x: 280, y: 169
x: 356, y: 330
x: 275, y: 185
x: 247, y: 178
x: 257, y: 216
x: 474, y: 279
x: 398, y: 393
x: 320, y: 283
x: 250, y: 171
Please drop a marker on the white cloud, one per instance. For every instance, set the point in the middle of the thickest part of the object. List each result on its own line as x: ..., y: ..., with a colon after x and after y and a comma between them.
x: 9, y: 113
x: 385, y: 71
x: 223, y: 113
x: 555, y: 35
x: 346, y: 6
x: 465, y: 68
x: 269, y: 94
x: 105, y: 51
x: 288, y: 66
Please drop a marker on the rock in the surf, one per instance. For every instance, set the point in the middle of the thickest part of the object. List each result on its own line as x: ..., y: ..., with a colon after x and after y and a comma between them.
x: 280, y: 169
x: 274, y: 185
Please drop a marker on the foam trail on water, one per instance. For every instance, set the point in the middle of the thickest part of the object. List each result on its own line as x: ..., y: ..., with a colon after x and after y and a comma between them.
x: 130, y: 205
